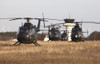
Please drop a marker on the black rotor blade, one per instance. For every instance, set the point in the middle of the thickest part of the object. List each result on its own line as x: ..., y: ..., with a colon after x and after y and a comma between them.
x: 53, y: 19
x: 43, y: 20
x: 55, y: 24
x: 15, y: 19
x: 7, y: 18
x: 90, y: 22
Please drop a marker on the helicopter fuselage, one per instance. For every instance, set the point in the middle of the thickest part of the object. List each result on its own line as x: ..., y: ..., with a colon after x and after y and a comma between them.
x: 54, y: 34
x: 27, y: 34
x: 77, y: 34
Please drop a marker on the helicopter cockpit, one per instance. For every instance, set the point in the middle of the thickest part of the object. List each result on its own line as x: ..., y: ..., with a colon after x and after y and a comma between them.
x: 26, y: 28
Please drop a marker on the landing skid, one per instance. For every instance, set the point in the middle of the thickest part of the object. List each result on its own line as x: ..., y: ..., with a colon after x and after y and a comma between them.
x: 35, y: 43
x: 17, y: 43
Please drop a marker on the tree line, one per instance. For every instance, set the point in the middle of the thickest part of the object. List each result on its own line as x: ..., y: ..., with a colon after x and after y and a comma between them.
x: 4, y: 36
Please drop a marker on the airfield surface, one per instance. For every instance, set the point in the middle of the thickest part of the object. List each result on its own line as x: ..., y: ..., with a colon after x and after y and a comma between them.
x: 52, y: 52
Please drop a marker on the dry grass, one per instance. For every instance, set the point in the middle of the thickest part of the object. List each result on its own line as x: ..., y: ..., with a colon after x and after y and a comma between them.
x: 52, y: 52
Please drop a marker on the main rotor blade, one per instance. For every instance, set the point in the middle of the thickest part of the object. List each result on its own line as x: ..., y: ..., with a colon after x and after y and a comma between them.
x: 53, y: 19
x: 15, y: 19
x: 43, y: 19
x: 55, y: 24
x: 7, y: 18
x: 44, y: 23
x: 89, y: 22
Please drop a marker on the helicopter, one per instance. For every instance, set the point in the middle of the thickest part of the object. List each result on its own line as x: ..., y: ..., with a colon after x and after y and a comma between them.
x: 74, y: 30
x: 54, y: 32
x: 27, y: 33
x: 77, y: 33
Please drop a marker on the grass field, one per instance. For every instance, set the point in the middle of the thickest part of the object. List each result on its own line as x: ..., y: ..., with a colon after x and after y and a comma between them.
x: 52, y: 52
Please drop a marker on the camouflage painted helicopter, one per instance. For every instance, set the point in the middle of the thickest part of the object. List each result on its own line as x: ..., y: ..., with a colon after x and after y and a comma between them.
x: 77, y: 33
x: 54, y: 32
x: 27, y: 33
x: 74, y: 30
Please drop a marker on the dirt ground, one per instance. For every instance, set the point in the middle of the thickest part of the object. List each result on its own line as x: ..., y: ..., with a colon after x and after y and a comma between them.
x: 52, y: 52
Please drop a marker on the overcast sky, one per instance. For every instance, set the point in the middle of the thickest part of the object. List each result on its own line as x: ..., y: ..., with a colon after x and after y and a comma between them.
x: 88, y: 10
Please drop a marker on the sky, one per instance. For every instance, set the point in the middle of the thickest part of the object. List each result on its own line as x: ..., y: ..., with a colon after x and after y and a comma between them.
x: 86, y: 10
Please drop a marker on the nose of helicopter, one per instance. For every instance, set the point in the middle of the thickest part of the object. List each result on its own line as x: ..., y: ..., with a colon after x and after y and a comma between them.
x: 28, y: 37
